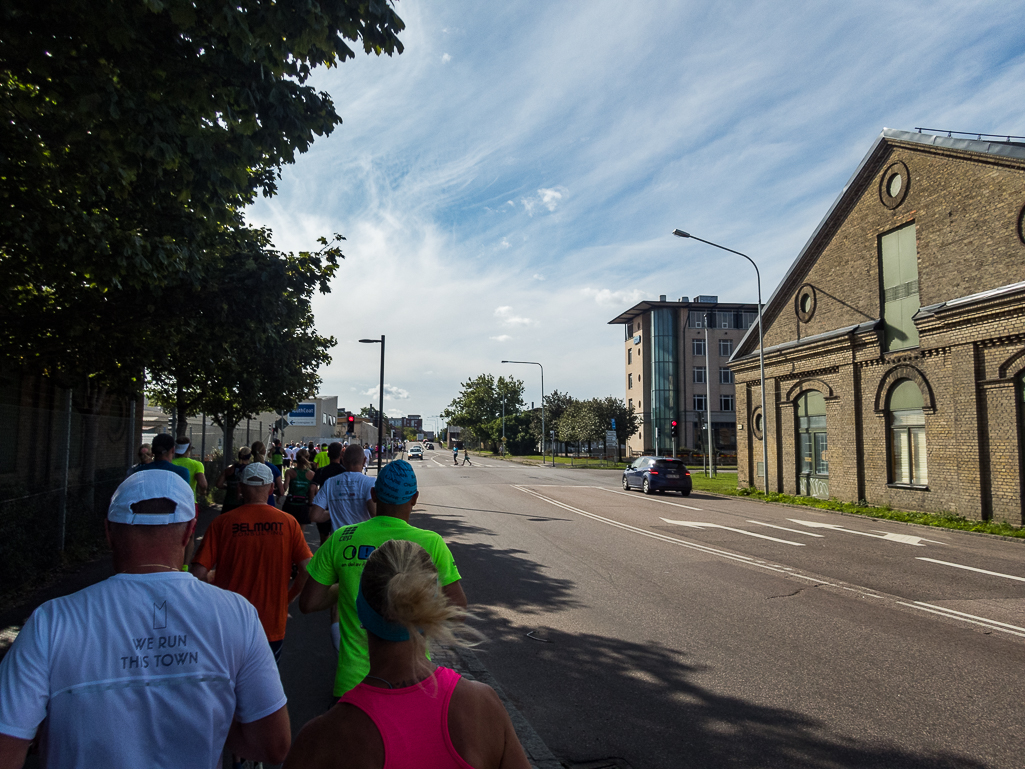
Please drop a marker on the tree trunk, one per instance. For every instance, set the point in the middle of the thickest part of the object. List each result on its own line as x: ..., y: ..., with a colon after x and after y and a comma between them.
x: 180, y: 408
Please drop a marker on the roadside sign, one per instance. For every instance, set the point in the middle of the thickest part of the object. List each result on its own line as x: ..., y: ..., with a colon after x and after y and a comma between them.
x: 304, y: 415
x: 610, y: 438
x: 613, y: 424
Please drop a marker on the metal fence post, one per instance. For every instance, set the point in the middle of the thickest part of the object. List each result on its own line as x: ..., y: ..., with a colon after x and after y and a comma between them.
x: 62, y: 522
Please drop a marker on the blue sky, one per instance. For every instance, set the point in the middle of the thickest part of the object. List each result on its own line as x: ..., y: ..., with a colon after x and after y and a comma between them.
x: 509, y: 183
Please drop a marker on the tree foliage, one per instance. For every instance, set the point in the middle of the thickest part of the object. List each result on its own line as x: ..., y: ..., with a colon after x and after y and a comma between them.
x: 134, y: 132
x: 479, y: 405
x: 243, y: 342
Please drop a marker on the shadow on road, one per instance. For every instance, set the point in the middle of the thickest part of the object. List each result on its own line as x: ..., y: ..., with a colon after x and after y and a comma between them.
x: 514, y: 580
x: 593, y: 697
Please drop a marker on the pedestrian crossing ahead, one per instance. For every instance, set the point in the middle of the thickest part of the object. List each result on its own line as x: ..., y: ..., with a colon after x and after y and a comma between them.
x: 436, y: 464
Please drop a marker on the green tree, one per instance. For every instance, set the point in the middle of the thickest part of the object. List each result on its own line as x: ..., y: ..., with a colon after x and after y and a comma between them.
x: 479, y: 405
x: 134, y: 133
x: 243, y: 342
x: 556, y: 404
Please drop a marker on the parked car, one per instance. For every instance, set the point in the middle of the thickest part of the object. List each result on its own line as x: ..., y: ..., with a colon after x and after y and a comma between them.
x: 416, y: 451
x: 651, y: 474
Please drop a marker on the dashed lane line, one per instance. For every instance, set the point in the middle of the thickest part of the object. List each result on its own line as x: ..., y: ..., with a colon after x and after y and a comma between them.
x: 972, y: 568
x: 649, y: 499
x: 992, y: 624
x: 784, y: 528
x: 696, y: 525
x: 673, y: 540
x: 951, y: 614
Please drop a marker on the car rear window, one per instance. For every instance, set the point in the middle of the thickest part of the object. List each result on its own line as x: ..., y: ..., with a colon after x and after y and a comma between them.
x: 674, y: 463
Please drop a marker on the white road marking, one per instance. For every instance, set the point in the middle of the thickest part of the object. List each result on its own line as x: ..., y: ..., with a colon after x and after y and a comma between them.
x: 695, y: 525
x: 673, y: 540
x: 784, y: 528
x: 660, y: 501
x: 972, y: 568
x: 785, y: 570
x: 992, y: 624
x: 905, y: 539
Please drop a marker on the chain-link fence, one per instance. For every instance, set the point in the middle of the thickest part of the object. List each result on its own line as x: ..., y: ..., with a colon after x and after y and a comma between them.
x: 58, y: 470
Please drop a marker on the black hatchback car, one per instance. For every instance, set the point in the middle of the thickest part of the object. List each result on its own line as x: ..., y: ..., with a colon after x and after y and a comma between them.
x: 652, y: 474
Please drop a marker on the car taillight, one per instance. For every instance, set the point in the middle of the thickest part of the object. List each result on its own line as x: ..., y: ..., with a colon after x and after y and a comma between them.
x: 652, y: 472
x: 686, y: 472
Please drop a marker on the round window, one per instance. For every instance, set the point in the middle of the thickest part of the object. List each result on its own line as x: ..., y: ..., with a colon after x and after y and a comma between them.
x: 894, y: 184
x: 804, y: 302
x: 756, y: 422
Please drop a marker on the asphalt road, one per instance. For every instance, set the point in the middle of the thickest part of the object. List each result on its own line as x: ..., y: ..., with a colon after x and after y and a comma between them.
x: 708, y: 632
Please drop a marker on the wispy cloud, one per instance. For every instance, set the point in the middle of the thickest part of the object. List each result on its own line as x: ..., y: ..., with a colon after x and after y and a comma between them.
x: 545, y: 199
x: 472, y: 173
x: 506, y: 315
x: 391, y: 393
x: 609, y: 298
x: 501, y: 338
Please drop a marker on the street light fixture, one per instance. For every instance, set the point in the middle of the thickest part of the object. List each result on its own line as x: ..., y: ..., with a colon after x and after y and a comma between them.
x: 535, y: 363
x: 380, y: 408
x: 761, y: 348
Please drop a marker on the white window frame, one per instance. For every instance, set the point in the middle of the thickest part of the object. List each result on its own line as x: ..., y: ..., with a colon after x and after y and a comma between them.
x: 727, y: 403
x: 700, y: 375
x: 728, y: 345
x: 725, y: 375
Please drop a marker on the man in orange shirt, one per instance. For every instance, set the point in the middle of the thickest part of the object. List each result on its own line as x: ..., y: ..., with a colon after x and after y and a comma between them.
x: 252, y: 550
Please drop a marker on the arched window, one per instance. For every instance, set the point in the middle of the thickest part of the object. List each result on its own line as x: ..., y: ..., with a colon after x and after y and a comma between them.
x: 813, y: 459
x: 907, y: 435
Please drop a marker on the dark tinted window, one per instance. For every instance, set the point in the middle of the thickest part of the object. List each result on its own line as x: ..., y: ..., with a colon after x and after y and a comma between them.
x: 669, y: 463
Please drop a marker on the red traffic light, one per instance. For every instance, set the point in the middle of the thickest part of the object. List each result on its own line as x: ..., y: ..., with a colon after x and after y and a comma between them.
x: 674, y: 423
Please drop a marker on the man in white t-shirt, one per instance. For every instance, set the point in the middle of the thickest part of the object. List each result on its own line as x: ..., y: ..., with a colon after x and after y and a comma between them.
x: 344, y: 499
x: 366, y: 454
x: 150, y: 667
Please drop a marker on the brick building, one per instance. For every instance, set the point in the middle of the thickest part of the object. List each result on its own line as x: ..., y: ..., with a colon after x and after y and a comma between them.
x: 895, y: 344
x: 669, y: 376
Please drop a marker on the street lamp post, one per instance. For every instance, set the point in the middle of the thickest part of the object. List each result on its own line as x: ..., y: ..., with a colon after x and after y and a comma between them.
x: 761, y: 348
x: 535, y: 363
x: 380, y: 407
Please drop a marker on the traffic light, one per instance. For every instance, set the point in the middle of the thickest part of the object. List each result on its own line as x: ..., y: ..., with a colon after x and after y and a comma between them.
x: 673, y: 429
x: 350, y: 425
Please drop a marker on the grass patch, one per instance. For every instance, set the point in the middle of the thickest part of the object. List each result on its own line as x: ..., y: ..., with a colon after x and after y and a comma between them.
x: 728, y: 486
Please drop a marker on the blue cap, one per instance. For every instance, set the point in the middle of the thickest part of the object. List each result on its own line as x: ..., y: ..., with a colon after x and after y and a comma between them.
x: 396, y: 483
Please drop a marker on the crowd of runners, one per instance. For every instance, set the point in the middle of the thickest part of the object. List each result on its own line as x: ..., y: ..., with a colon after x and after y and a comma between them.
x: 173, y: 660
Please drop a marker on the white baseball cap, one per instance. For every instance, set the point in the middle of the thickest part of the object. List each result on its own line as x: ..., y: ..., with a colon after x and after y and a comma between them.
x: 257, y: 474
x: 143, y: 485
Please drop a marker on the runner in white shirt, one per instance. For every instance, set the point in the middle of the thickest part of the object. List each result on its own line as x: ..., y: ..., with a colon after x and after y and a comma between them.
x: 150, y: 667
x: 367, y: 455
x: 344, y: 499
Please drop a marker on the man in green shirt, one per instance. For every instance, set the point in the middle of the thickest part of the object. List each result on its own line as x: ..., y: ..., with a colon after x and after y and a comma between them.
x: 197, y: 472
x: 322, y: 459
x: 336, y: 567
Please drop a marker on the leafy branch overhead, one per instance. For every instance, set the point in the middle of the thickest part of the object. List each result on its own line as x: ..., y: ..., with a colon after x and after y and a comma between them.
x: 134, y: 134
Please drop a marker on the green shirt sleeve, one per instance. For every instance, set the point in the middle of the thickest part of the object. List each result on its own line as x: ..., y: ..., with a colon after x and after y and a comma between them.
x: 322, y: 567
x: 446, y: 564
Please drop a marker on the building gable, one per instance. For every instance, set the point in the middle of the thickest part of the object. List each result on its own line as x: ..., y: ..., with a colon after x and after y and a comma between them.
x: 924, y: 220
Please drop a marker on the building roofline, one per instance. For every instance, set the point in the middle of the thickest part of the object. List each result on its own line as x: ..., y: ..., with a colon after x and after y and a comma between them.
x: 643, y: 307
x: 857, y: 328
x: 887, y: 136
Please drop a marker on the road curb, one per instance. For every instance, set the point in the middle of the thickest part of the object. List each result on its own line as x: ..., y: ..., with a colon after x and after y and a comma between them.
x: 469, y: 664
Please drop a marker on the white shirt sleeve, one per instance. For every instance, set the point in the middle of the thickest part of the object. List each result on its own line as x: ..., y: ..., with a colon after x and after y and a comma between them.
x: 321, y: 499
x: 258, y: 690
x: 25, y: 679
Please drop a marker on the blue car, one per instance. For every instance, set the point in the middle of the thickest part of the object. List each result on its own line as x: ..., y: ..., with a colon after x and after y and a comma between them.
x: 660, y: 474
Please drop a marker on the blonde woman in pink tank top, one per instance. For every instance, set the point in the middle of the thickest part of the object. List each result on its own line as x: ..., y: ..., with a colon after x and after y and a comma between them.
x: 409, y: 713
